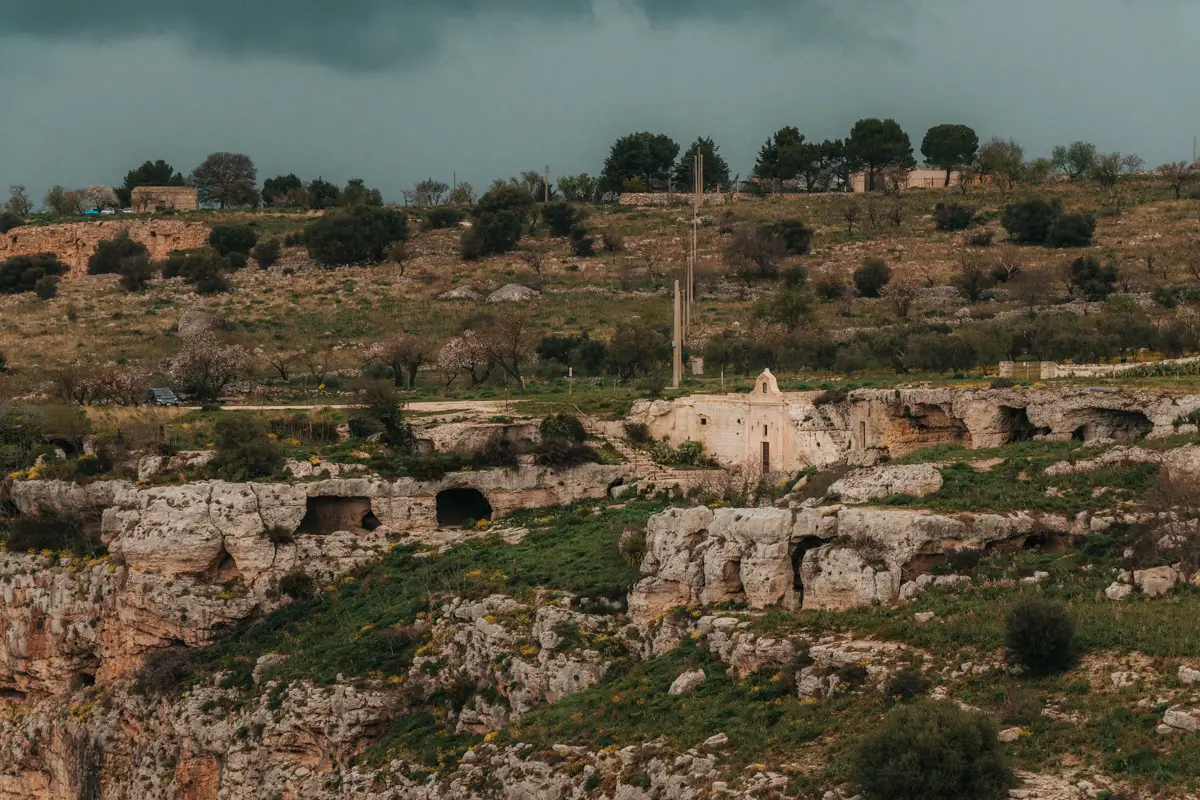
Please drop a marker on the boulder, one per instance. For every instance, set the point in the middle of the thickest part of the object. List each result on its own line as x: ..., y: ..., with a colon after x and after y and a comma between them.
x: 1182, y: 465
x: 687, y: 682
x: 1157, y: 581
x: 461, y: 293
x: 874, y: 483
x: 513, y: 293
x: 1117, y: 456
x: 1118, y: 591
x: 1182, y: 719
x: 1189, y: 676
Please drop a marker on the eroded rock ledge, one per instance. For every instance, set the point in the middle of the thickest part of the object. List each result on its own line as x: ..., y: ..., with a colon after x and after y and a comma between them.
x: 832, y: 557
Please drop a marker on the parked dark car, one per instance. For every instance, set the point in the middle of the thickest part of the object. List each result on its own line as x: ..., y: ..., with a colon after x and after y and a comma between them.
x: 162, y: 397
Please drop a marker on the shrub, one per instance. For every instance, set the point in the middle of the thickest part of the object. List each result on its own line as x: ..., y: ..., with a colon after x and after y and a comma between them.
x: 279, y: 535
x: 973, y: 281
x: 109, y: 253
x: 797, y: 237
x: 829, y: 288
x: 510, y: 198
x: 1165, y: 296
x: 637, y: 432
x: 795, y: 277
x: 561, y: 218
x: 981, y: 239
x: 298, y: 586
x: 582, y: 244
x: 871, y: 277
x: 491, y: 233
x: 267, y: 254
x: 1029, y: 222
x: 1040, y: 637
x: 136, y: 272
x: 442, y: 217
x: 497, y: 451
x: 756, y: 253
x: 905, y: 685
x: 562, y: 426
x: 1093, y: 280
x: 54, y: 532
x: 383, y: 407
x: 1003, y: 383
x: 613, y: 241
x: 1071, y: 230
x: 46, y: 287
x: 952, y: 216
x: 564, y: 453
x: 355, y: 235
x: 163, y: 670
x: 22, y: 273
x: 932, y: 749
x: 10, y: 220
x: 244, y: 451
x: 204, y: 269
x: 227, y: 239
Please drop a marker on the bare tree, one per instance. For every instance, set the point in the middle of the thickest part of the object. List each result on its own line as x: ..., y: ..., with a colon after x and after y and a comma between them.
x: 895, y: 179
x: 283, y: 362
x: 510, y: 343
x: 901, y: 292
x: 398, y: 254
x: 427, y: 193
x: 18, y: 202
x: 851, y: 211
x: 1177, y: 174
x: 1008, y: 264
x: 319, y: 361
x: 462, y: 195
x: 404, y: 354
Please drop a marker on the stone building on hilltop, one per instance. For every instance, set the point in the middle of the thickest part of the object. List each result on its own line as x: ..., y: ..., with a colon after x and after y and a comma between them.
x: 151, y: 199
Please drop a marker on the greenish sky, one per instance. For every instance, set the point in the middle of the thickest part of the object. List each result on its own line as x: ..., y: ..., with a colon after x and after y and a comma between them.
x: 397, y: 91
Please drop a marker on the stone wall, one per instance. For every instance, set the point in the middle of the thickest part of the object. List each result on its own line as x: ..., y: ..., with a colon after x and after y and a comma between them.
x: 148, y: 199
x: 681, y: 199
x: 74, y: 242
x: 1045, y: 370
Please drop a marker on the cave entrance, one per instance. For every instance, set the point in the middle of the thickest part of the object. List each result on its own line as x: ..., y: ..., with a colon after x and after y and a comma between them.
x: 1106, y: 423
x: 326, y: 515
x: 456, y: 506
x: 1015, y: 424
x: 799, y: 549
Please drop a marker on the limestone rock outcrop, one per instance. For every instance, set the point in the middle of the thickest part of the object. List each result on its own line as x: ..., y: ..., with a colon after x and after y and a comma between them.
x: 185, y: 559
x: 876, y: 483
x: 74, y: 242
x: 832, y: 557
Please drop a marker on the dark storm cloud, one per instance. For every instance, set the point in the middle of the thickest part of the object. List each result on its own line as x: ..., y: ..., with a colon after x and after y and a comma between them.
x: 373, y: 34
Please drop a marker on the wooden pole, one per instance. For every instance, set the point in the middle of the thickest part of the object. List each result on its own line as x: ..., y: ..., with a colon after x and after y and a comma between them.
x: 547, y: 183
x: 677, y: 343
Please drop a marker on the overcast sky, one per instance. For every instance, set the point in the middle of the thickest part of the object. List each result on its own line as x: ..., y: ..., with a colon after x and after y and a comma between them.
x: 397, y: 90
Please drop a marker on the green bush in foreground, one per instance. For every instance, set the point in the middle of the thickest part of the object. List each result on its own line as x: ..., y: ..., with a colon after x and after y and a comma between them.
x: 1040, y: 636
x: 932, y: 749
x: 244, y: 451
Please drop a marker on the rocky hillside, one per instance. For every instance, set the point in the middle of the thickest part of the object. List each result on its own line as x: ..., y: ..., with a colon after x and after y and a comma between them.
x: 318, y: 639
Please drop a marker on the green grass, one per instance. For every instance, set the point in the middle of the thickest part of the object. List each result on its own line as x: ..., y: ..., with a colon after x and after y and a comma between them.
x: 1020, y: 483
x: 352, y: 627
x: 761, y: 714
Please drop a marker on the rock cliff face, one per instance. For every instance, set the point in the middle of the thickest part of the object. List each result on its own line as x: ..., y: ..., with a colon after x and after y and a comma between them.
x: 75, y: 242
x: 806, y: 429
x: 833, y: 557
x: 187, y: 559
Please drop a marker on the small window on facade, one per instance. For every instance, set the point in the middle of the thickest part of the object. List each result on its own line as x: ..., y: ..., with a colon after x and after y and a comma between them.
x: 703, y: 420
x: 764, y: 387
x: 764, y: 430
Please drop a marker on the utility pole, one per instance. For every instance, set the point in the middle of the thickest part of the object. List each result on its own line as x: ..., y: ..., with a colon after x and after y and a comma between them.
x: 677, y: 343
x: 547, y: 183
